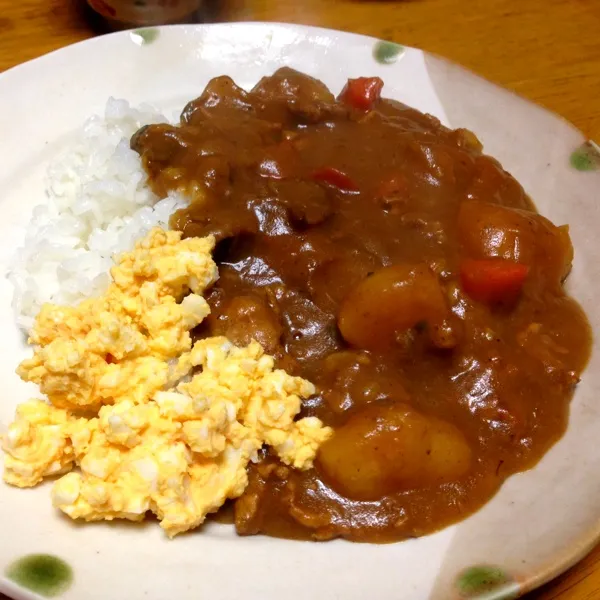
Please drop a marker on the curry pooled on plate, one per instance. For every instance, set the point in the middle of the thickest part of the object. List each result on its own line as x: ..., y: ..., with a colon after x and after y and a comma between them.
x: 407, y: 275
x: 357, y: 329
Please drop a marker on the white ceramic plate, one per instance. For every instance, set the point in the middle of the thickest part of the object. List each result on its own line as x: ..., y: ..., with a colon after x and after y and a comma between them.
x: 540, y: 522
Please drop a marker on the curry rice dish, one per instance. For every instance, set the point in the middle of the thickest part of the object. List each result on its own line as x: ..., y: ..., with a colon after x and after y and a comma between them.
x: 385, y: 259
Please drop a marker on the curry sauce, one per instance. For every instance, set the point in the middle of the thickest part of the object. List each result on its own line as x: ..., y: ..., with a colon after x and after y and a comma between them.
x: 389, y: 261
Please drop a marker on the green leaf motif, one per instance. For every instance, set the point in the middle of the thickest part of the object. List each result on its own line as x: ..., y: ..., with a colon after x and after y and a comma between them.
x: 586, y: 157
x: 486, y: 583
x: 387, y: 53
x: 146, y: 36
x: 44, y: 574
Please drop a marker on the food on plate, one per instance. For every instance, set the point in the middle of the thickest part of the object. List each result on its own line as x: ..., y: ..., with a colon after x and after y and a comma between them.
x: 97, y: 204
x: 397, y: 285
x: 153, y: 423
x: 118, y: 346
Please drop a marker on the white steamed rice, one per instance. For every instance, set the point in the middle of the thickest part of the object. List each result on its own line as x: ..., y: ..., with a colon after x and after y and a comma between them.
x: 98, y: 204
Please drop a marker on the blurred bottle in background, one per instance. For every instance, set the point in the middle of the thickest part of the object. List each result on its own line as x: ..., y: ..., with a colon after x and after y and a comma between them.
x: 126, y: 14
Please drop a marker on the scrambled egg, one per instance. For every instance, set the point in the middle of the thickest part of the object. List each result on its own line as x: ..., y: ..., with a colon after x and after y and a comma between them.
x: 118, y: 346
x: 153, y: 423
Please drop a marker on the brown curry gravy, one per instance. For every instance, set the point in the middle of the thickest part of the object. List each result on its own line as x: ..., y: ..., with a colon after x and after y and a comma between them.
x: 434, y: 404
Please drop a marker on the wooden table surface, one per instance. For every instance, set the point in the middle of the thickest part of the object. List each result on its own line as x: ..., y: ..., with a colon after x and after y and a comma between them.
x: 546, y: 50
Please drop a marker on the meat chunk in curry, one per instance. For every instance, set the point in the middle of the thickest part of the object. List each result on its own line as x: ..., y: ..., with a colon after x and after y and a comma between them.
x: 387, y: 259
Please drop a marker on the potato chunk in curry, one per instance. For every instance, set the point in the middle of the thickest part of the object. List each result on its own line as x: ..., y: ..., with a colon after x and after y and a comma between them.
x: 387, y: 448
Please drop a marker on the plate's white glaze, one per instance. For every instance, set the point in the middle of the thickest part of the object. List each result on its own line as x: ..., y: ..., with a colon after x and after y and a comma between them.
x: 539, y: 523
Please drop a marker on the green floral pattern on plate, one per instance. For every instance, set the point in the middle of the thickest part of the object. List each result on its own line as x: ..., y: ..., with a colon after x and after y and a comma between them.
x: 145, y: 36
x: 486, y: 583
x: 586, y: 157
x: 387, y: 53
x: 43, y: 574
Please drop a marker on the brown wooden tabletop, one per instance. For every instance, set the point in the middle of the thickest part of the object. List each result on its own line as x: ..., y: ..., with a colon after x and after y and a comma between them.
x: 546, y: 50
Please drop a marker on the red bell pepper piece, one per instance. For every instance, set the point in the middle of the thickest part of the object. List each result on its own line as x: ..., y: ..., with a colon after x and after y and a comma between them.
x: 361, y: 93
x: 336, y: 178
x: 493, y: 280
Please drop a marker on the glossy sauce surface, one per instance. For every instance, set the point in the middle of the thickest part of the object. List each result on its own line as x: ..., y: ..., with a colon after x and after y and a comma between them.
x: 386, y: 259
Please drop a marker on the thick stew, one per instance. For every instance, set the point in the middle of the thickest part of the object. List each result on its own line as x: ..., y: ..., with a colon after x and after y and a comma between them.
x: 385, y: 258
